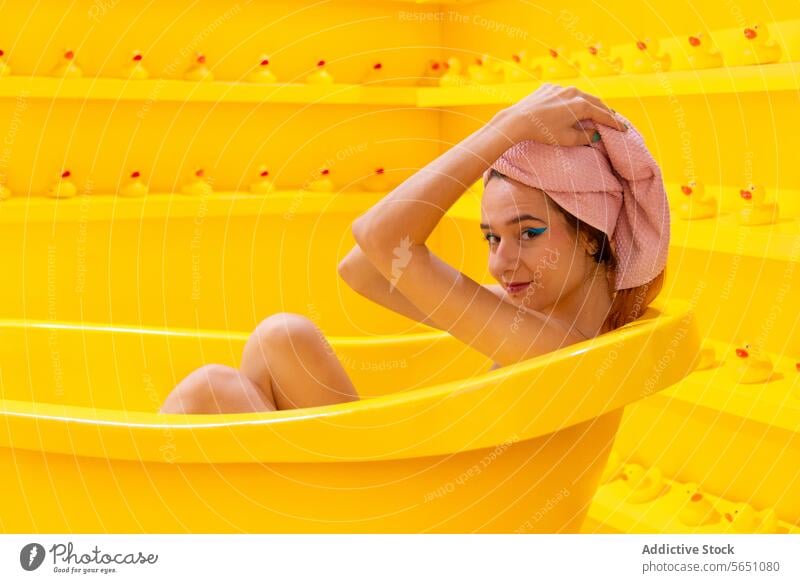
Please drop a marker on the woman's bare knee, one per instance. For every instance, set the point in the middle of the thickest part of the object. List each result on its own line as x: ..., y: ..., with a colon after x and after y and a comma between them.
x: 287, y: 330
x: 216, y: 388
x: 302, y: 366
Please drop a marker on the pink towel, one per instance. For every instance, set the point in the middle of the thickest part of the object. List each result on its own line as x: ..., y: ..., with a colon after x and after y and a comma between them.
x: 614, y: 185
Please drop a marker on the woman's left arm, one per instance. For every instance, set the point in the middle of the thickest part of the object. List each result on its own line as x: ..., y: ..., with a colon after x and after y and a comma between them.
x: 393, y: 233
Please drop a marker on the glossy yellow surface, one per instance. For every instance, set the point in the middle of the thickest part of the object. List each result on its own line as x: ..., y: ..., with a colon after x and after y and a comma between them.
x: 433, y: 446
x: 112, y: 295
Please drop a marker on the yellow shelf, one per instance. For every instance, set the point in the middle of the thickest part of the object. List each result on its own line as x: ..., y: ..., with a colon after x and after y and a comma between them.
x: 610, y: 509
x: 163, y: 90
x: 716, y: 235
x: 724, y: 235
x: 104, y: 207
x: 107, y: 206
x: 775, y: 403
x: 775, y: 77
x: 721, y: 234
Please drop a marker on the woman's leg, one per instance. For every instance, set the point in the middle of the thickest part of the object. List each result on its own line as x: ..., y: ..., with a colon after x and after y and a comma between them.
x: 289, y: 358
x: 216, y: 388
x: 287, y: 363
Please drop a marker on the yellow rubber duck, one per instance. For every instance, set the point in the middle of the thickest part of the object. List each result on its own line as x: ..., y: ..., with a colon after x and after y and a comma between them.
x: 5, y: 70
x: 5, y: 192
x: 64, y: 188
x: 752, y: 365
x: 702, y: 54
x: 643, y: 486
x: 758, y: 47
x: 744, y: 519
x: 264, y: 184
x: 135, y: 186
x: 600, y: 63
x: 377, y: 181
x: 376, y: 75
x: 199, y: 70
x: 697, y: 510
x: 432, y: 73
x: 323, y: 183
x: 262, y: 73
x: 320, y: 76
x: 136, y: 70
x: 755, y: 210
x: 68, y: 67
x: 648, y: 57
x: 453, y: 76
x: 707, y: 357
x: 518, y: 69
x: 697, y: 204
x: 613, y: 468
x: 198, y: 186
x: 556, y: 66
x: 484, y: 71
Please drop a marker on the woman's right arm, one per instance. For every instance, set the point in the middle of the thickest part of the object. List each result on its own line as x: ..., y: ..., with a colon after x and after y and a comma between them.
x: 359, y: 273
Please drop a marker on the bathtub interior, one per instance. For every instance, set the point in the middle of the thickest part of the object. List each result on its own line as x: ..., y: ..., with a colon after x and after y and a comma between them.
x: 133, y: 369
x: 116, y: 312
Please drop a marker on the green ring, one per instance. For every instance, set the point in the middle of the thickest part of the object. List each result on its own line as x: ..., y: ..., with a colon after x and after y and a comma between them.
x: 596, y: 136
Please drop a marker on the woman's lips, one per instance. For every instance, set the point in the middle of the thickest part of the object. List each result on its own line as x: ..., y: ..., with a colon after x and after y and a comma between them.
x: 515, y: 288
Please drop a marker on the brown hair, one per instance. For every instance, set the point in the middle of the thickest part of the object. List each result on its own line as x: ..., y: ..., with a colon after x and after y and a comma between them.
x: 627, y: 304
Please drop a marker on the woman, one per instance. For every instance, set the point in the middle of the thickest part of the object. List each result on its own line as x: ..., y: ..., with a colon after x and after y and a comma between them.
x: 557, y: 274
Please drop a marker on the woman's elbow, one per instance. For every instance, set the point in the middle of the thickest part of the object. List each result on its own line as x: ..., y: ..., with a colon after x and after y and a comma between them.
x: 372, y: 242
x: 347, y: 272
x: 360, y: 230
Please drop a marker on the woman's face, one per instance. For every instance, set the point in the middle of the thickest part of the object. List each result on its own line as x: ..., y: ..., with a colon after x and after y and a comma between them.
x: 531, y: 244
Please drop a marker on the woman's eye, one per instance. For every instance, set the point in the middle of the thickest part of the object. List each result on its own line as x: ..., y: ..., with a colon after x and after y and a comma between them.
x: 533, y: 233
x: 492, y: 239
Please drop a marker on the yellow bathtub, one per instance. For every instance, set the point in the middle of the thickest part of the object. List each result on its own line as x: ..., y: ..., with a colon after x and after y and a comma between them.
x: 430, y: 448
x: 437, y: 444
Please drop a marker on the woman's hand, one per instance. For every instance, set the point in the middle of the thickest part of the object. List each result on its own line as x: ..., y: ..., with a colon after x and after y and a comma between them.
x: 552, y: 115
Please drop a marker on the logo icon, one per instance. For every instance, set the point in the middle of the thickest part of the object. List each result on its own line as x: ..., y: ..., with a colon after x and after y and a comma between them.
x: 31, y: 556
x: 402, y: 256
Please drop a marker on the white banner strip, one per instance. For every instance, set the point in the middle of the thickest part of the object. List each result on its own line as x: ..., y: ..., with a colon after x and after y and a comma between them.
x: 401, y: 558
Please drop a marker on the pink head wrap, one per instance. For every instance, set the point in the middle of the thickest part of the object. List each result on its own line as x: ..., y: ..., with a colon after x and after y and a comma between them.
x: 614, y: 185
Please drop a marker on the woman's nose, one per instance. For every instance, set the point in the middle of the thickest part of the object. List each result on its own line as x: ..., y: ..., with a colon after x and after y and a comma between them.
x: 505, y: 257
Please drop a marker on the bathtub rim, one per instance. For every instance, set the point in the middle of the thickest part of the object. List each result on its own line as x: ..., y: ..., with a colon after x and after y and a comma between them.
x: 230, y: 438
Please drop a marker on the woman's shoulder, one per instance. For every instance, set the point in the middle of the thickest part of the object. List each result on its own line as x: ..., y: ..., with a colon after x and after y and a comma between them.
x: 574, y: 338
